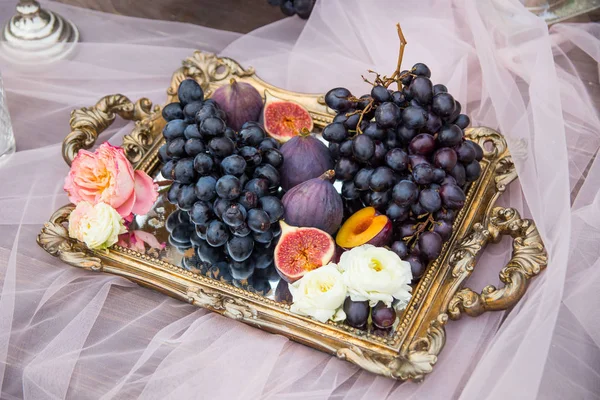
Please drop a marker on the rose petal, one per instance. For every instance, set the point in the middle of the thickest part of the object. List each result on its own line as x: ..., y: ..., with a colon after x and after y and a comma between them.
x: 126, y: 208
x: 146, y: 193
x: 149, y: 239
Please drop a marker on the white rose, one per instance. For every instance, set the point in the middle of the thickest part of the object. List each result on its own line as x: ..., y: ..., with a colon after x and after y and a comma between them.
x: 319, y: 294
x: 97, y: 226
x: 376, y: 274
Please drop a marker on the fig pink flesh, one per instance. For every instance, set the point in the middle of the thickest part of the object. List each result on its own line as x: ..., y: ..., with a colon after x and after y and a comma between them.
x: 284, y: 119
x: 301, y: 250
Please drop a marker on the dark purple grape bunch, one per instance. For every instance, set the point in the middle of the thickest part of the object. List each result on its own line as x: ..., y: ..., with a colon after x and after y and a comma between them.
x: 226, y: 183
x: 404, y: 152
x: 302, y: 8
x: 358, y: 312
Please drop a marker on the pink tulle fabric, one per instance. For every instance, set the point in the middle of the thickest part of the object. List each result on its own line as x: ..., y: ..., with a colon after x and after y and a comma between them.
x: 67, y: 333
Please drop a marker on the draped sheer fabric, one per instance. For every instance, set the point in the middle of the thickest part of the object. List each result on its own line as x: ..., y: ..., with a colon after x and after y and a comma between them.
x: 67, y: 333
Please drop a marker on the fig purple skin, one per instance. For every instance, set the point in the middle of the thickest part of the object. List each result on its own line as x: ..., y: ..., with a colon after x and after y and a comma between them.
x: 314, y: 203
x: 240, y: 101
x: 304, y: 157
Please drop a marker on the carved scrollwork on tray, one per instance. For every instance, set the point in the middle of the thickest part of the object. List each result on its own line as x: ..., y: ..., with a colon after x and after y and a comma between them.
x: 528, y: 259
x: 54, y: 238
x: 88, y: 122
x: 413, y: 364
x: 230, y: 306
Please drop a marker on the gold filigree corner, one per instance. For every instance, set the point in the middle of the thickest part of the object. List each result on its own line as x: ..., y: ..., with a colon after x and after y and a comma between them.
x: 54, y: 238
x: 229, y: 306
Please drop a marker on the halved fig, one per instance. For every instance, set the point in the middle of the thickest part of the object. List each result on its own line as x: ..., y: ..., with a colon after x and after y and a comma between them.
x: 285, y: 119
x: 300, y: 250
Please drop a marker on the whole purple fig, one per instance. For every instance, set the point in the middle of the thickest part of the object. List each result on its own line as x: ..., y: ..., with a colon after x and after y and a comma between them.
x: 304, y: 157
x: 240, y: 101
x: 314, y: 204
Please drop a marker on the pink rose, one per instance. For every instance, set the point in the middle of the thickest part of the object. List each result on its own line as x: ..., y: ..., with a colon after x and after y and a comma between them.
x: 106, y: 176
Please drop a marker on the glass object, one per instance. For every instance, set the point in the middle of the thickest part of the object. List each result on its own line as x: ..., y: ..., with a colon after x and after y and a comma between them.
x: 7, y: 138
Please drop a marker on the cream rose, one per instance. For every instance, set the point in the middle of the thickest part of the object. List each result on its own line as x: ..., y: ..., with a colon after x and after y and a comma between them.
x: 376, y: 274
x: 320, y: 294
x: 98, y: 226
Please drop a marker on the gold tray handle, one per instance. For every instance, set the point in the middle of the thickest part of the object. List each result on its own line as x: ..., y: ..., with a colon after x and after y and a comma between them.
x: 88, y: 122
x: 528, y: 259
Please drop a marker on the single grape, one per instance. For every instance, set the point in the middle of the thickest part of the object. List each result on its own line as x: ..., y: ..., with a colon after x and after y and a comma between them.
x: 380, y: 94
x: 184, y: 171
x: 406, y: 78
x: 448, y: 179
x: 421, y: 70
x: 456, y: 112
x: 406, y: 229
x: 186, y: 197
x: 398, y: 99
x: 251, y: 135
x: 397, y: 159
x: 176, y: 148
x: 272, y: 157
x: 334, y: 150
x: 217, y: 234
x: 338, y: 99
x: 417, y: 159
x: 393, y: 140
x: 452, y: 196
x: 189, y: 90
x: 228, y: 187
x: 423, y: 174
x: 443, y: 228
x: 382, y: 179
x: 273, y: 207
x: 357, y: 313
x: 251, y: 155
x: 248, y: 199
x: 269, y: 173
x: 445, y: 215
x: 174, y: 129
x: 287, y: 7
x: 173, y: 192
x: 417, y: 267
x: 192, y: 132
x: 363, y: 148
x: 459, y: 174
x: 450, y: 136
x: 259, y: 186
x: 346, y: 168
x: 400, y: 248
x: 430, y: 245
x: 430, y: 200
x: 383, y: 316
x: 478, y: 151
x: 190, y: 110
x: 405, y: 133
x: 200, y: 234
x: 342, y: 117
x: 207, y: 111
x: 462, y: 121
x: 172, y: 111
x: 205, y: 188
x: 239, y: 248
x: 433, y: 124
x: 417, y: 210
x: 335, y: 132
x: 465, y: 152
x: 346, y: 149
x: 405, y: 193
x: 349, y: 191
x: 168, y: 169
x: 374, y: 131
x: 233, y: 165
x: 380, y: 200
x: 241, y: 230
x: 379, y: 156
x: 421, y: 90
x: 201, y: 212
x: 162, y: 154
x: 258, y: 220
x: 263, y: 237
x: 212, y: 126
x: 362, y: 178
x: 268, y: 143
x: 234, y: 215
x: 387, y: 115
x: 439, y: 88
x: 443, y: 104
x: 303, y: 8
x: 194, y: 147
x: 182, y: 233
x: 422, y: 144
x: 203, y: 164
x: 351, y: 121
x: 397, y: 213
x: 414, y: 117
x: 445, y: 158
x: 406, y: 92
x: 472, y: 171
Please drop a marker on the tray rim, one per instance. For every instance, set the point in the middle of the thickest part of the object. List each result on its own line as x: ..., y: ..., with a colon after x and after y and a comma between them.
x: 421, y: 335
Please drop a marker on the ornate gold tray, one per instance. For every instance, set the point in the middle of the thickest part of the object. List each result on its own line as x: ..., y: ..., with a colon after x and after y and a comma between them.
x: 412, y: 349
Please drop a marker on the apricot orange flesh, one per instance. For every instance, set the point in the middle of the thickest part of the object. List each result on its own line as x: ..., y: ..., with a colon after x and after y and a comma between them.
x: 360, y: 228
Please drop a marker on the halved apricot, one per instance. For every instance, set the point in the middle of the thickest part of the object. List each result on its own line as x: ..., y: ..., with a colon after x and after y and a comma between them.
x: 365, y: 226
